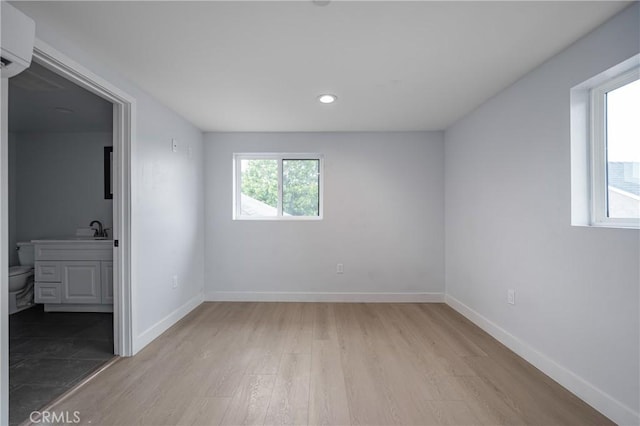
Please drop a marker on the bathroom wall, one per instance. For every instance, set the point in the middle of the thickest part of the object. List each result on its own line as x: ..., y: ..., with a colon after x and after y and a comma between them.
x: 58, y: 184
x: 13, y: 227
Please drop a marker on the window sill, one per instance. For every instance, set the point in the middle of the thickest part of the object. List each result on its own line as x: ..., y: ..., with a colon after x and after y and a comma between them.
x: 630, y: 226
x: 280, y: 219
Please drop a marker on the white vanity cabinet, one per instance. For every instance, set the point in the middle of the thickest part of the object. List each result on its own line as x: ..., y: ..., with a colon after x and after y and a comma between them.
x: 81, y: 282
x: 106, y: 272
x: 74, y: 275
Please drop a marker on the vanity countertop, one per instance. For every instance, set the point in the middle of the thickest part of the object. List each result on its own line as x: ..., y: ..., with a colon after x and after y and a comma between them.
x: 73, y: 240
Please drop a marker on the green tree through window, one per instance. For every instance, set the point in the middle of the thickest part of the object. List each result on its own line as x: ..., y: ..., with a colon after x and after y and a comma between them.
x: 260, y: 180
x: 300, y: 184
x: 300, y: 187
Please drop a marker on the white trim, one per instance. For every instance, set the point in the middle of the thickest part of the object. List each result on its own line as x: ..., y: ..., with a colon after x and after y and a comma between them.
x: 4, y: 255
x: 338, y: 297
x: 598, y: 143
x: 280, y: 189
x: 236, y: 199
x: 150, y: 334
x: 582, y: 157
x: 279, y: 218
x: 601, y: 401
x: 123, y: 141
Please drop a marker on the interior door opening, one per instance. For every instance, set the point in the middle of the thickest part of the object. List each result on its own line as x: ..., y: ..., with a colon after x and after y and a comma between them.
x: 97, y: 316
x: 60, y: 239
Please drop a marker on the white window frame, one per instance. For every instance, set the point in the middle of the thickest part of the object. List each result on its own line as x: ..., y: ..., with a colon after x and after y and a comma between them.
x: 598, y: 142
x: 280, y: 157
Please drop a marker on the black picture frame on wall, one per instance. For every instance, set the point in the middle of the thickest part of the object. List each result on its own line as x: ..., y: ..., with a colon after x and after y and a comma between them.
x: 108, y: 172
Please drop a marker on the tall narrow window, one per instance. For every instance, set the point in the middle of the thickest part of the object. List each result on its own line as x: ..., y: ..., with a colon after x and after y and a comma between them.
x: 615, y: 149
x: 278, y: 186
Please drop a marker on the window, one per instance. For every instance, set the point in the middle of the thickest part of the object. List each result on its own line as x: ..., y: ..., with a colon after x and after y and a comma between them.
x: 615, y: 151
x: 277, y: 186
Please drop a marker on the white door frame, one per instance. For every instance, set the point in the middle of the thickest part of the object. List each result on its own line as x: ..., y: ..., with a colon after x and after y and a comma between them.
x: 124, y: 113
x: 4, y: 254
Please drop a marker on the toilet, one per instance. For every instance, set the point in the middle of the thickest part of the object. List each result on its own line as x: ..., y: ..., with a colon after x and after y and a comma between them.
x: 21, y: 279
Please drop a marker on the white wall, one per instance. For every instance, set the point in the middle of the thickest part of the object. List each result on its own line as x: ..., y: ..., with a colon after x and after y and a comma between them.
x: 167, y: 203
x: 383, y: 219
x: 59, y: 184
x: 508, y: 226
x: 168, y: 219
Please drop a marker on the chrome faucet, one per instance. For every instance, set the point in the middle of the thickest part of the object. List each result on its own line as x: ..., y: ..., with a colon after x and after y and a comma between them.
x: 98, y: 233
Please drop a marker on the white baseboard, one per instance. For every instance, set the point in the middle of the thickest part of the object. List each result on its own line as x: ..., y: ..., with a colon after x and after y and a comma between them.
x: 601, y: 401
x: 277, y: 296
x: 150, y: 334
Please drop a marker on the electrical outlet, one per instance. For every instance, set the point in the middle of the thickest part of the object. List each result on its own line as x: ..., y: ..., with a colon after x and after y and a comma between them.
x: 175, y: 281
x: 174, y: 145
x: 511, y: 296
x: 339, y: 268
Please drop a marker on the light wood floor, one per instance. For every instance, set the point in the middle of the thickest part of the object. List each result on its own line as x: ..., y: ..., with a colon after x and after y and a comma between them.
x: 326, y: 364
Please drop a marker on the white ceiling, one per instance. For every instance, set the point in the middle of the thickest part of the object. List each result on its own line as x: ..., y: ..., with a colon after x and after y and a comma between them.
x: 41, y: 101
x: 259, y: 66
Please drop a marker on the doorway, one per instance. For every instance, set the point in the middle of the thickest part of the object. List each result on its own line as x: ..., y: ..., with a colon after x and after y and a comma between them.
x: 61, y: 322
x: 123, y: 108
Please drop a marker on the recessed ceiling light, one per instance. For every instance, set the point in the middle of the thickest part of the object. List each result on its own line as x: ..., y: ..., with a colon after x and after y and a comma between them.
x: 63, y: 110
x: 327, y: 99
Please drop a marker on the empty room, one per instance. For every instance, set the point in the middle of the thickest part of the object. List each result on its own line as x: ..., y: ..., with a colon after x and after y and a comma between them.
x: 320, y: 212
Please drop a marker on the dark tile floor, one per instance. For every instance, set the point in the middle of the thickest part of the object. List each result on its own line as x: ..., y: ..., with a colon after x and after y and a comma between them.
x: 50, y: 352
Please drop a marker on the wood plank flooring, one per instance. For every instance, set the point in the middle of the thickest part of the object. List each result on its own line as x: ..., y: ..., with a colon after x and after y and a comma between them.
x: 326, y: 364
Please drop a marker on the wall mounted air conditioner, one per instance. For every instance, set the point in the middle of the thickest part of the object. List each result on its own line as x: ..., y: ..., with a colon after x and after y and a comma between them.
x: 18, y: 33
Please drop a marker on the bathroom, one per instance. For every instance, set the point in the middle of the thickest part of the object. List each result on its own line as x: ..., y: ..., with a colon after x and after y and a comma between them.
x: 60, y: 204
